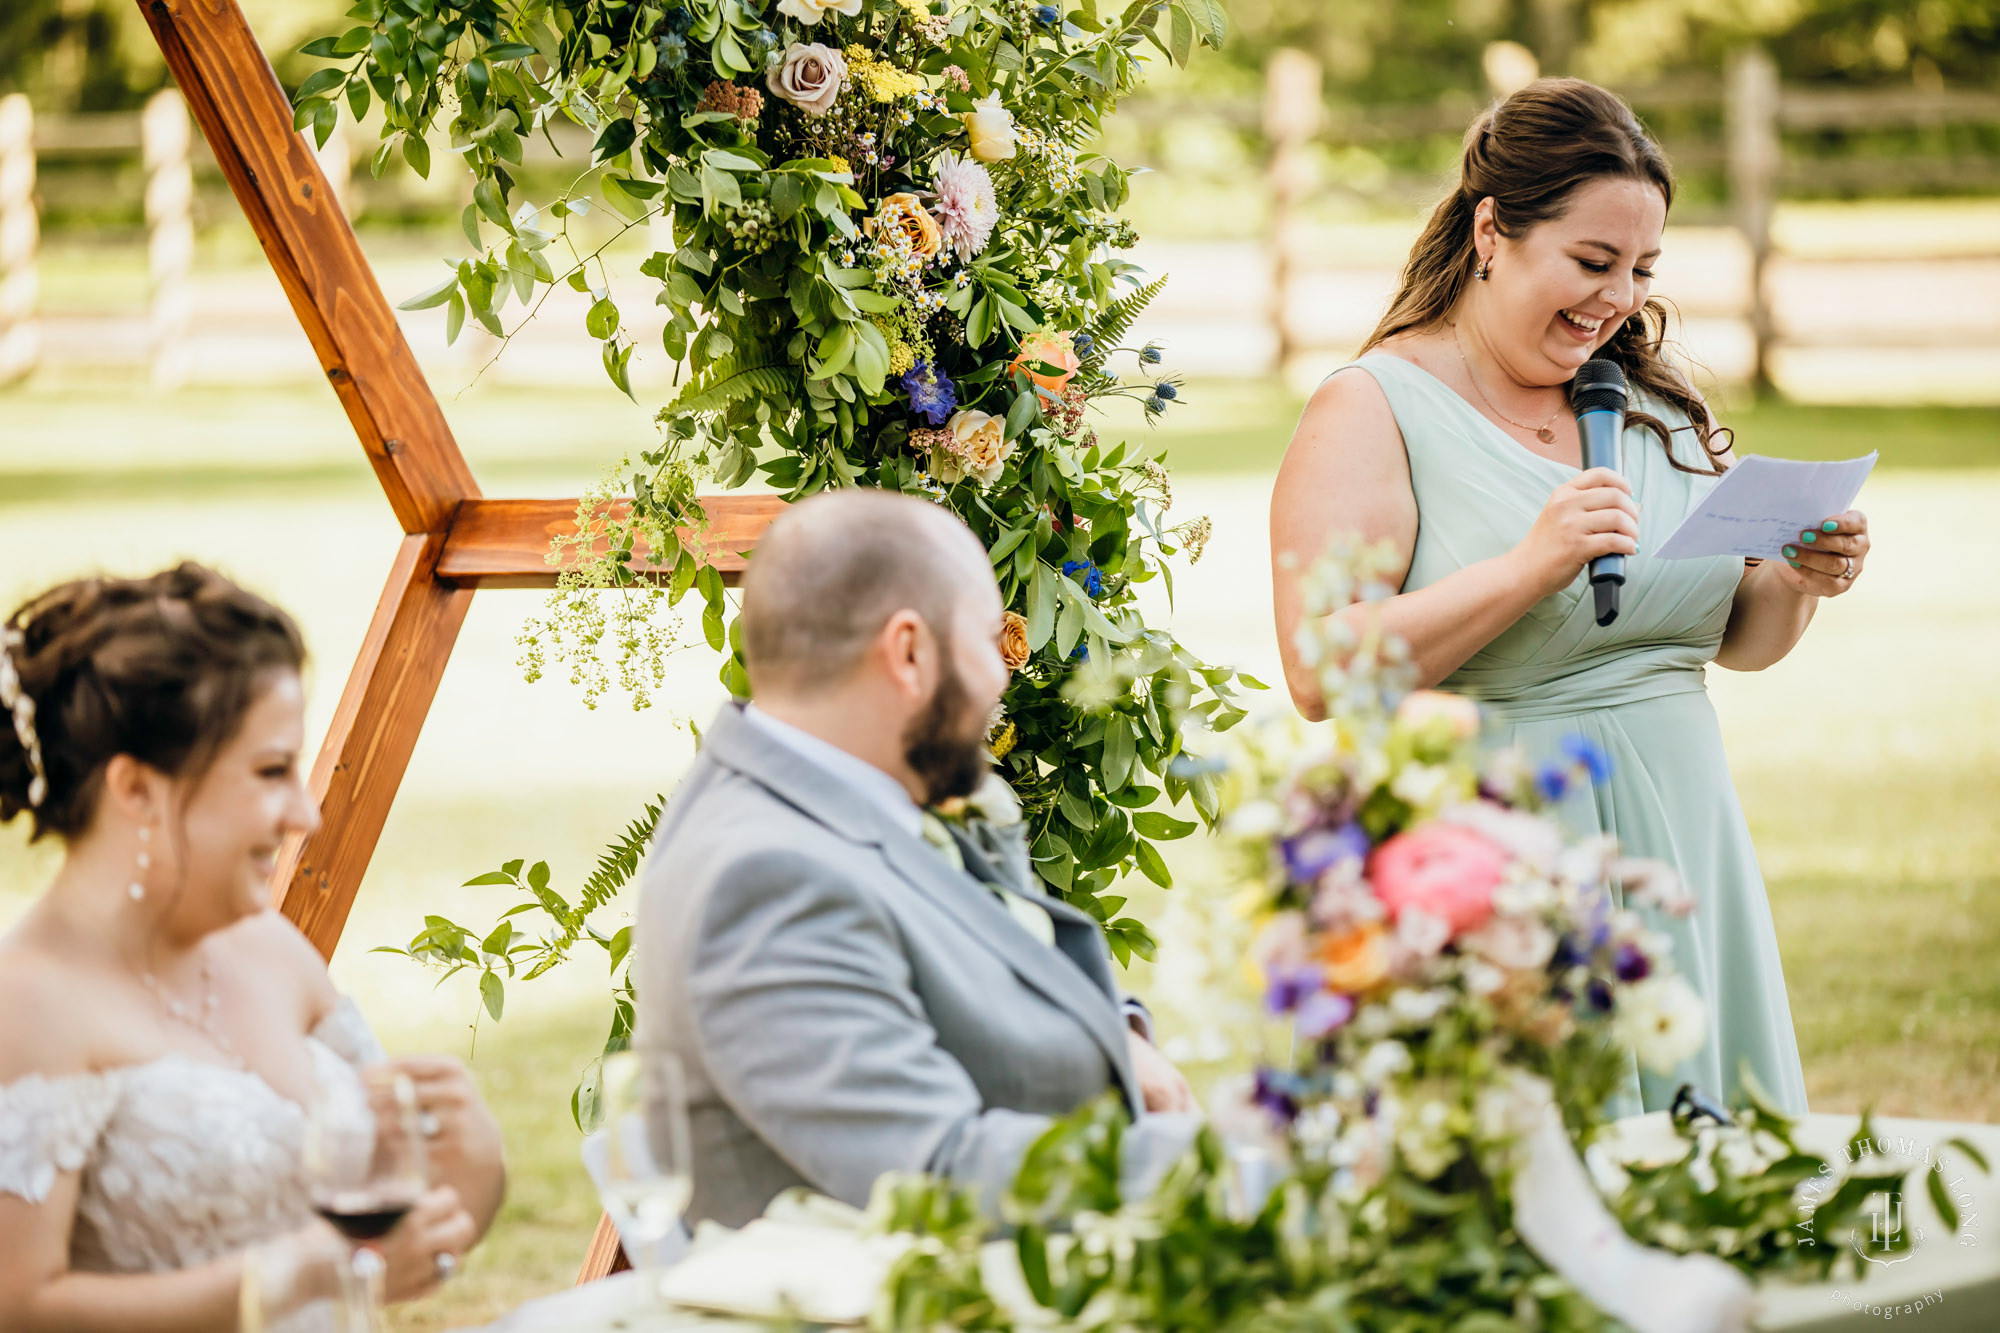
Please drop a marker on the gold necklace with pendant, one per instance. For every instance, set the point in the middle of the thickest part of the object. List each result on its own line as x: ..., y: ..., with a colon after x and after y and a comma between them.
x: 1542, y: 432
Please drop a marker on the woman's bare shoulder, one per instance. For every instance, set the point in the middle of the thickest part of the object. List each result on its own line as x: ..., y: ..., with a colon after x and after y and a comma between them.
x: 271, y: 946
x: 46, y: 1031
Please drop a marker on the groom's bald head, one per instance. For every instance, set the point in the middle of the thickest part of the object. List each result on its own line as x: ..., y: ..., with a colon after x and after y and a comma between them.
x: 831, y: 572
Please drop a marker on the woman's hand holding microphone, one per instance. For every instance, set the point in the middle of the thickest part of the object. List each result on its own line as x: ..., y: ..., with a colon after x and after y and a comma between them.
x: 1591, y: 514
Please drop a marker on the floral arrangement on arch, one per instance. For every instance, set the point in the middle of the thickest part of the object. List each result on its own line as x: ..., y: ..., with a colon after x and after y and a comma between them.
x: 895, y: 261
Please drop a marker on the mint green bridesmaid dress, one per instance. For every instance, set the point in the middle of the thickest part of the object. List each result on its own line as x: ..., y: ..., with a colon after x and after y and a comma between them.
x: 1635, y: 687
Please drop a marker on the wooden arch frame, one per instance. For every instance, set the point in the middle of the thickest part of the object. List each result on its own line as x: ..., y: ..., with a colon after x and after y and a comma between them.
x: 455, y: 540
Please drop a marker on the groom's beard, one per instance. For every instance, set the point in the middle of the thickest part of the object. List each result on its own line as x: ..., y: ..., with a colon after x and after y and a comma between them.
x: 945, y: 744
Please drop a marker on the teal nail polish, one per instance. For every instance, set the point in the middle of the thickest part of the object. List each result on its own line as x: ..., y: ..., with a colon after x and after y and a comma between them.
x: 1793, y: 563
x: 1791, y: 551
x: 1830, y: 525
x: 1812, y: 536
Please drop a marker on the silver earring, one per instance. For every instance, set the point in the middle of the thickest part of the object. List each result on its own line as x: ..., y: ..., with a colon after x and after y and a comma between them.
x: 137, y: 889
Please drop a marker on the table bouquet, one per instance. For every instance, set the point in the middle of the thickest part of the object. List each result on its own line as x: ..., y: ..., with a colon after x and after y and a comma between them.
x: 1457, y: 990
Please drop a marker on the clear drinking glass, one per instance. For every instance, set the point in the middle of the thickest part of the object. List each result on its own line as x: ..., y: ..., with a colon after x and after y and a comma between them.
x: 365, y: 1169
x: 648, y: 1176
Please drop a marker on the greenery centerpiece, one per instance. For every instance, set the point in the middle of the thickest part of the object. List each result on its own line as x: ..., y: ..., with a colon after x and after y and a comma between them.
x: 894, y: 262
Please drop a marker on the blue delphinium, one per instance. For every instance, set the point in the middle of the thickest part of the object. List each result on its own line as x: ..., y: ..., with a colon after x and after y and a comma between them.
x: 1093, y: 577
x: 1048, y: 16
x: 932, y: 395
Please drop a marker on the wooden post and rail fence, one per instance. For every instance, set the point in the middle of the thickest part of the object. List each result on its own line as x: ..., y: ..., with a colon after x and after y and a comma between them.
x: 1290, y: 119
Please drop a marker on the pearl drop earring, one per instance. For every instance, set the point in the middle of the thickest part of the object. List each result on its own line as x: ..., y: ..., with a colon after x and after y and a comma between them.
x: 137, y: 890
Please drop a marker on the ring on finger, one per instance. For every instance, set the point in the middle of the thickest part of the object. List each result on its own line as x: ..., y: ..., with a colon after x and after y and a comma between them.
x: 1849, y: 571
x: 429, y: 1125
x: 446, y: 1263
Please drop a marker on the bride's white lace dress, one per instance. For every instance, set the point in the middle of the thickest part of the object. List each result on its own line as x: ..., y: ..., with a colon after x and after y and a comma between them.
x: 183, y: 1161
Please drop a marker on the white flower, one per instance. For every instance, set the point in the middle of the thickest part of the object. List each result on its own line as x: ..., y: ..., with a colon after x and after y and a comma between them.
x: 1417, y: 1007
x: 1662, y: 1020
x: 1254, y: 819
x: 990, y: 125
x: 1422, y: 933
x: 1535, y: 842
x: 809, y: 77
x: 1419, y: 784
x: 1650, y: 883
x: 1481, y: 977
x: 810, y: 12
x: 966, y: 208
x: 1384, y: 1060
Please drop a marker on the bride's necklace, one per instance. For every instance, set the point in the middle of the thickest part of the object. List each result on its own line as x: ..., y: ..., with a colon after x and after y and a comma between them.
x: 1542, y: 432
x: 200, y: 1018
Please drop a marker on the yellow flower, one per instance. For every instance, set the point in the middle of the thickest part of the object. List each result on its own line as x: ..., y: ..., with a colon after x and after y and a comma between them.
x: 1002, y: 742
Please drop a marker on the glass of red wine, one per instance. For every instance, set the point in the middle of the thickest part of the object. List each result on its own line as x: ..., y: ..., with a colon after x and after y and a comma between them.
x: 365, y: 1170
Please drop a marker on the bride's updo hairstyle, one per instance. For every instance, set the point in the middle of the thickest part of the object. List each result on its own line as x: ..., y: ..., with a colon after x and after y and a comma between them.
x: 1529, y: 154
x: 161, y: 668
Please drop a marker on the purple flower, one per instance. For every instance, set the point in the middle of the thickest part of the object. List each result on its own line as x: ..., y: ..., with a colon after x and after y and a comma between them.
x: 1598, y: 992
x: 1273, y: 1091
x: 1631, y: 963
x: 1289, y: 987
x: 1588, y: 753
x: 932, y: 396
x: 1322, y: 1012
x: 1316, y: 851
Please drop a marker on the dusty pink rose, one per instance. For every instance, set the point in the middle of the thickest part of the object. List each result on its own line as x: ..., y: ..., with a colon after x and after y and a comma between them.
x: 1446, y: 870
x: 809, y: 77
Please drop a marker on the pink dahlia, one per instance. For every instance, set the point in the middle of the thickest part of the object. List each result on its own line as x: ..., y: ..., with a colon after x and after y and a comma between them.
x: 966, y: 209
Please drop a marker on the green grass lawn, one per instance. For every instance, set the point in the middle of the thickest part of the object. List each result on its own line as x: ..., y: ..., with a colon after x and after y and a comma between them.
x: 1868, y: 764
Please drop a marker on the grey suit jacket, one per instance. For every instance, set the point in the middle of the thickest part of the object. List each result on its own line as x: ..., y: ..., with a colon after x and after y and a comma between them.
x: 845, y: 1003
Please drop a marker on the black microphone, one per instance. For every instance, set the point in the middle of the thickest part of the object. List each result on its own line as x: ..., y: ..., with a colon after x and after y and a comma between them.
x: 1598, y: 395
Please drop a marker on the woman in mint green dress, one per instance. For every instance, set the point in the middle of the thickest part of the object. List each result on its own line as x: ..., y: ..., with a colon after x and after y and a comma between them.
x: 1451, y: 438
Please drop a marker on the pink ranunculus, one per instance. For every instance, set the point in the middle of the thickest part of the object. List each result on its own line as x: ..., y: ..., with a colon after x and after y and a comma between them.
x: 1447, y: 870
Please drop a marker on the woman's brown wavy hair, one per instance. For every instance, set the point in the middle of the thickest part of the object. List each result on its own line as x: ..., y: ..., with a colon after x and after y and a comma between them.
x: 1529, y: 154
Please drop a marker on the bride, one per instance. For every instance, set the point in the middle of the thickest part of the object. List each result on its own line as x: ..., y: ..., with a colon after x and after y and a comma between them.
x: 164, y: 1027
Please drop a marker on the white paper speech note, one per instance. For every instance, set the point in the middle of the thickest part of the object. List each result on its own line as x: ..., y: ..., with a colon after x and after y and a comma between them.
x: 1763, y: 503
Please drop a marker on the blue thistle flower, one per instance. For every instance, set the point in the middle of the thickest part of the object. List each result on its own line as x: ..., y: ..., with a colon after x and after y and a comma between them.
x: 1149, y: 355
x: 1165, y: 390
x: 1083, y: 343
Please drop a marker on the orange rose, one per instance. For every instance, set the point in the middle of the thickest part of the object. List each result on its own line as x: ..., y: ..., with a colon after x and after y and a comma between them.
x: 902, y: 215
x: 1014, y: 641
x: 1049, y: 348
x: 1356, y: 960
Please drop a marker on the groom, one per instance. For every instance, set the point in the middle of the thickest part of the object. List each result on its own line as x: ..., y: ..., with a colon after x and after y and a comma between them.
x: 851, y: 984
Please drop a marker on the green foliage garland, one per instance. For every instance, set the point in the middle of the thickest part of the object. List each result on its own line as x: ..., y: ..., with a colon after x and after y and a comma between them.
x: 895, y: 264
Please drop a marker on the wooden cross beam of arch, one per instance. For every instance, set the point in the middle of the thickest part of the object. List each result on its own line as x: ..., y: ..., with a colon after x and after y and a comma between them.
x: 455, y: 539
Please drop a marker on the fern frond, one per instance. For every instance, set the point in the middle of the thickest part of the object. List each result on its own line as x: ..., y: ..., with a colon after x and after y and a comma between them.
x: 734, y: 378
x: 1111, y: 326
x: 620, y: 861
